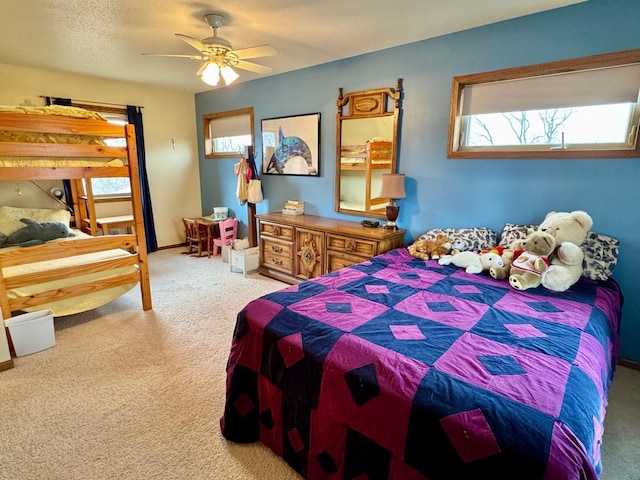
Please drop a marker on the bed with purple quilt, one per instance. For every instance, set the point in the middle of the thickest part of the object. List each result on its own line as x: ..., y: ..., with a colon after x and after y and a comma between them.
x: 400, y: 368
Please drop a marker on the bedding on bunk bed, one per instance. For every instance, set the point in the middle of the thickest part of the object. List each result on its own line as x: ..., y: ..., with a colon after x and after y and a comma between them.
x: 10, y: 221
x: 55, y: 138
x: 402, y: 368
x: 77, y: 304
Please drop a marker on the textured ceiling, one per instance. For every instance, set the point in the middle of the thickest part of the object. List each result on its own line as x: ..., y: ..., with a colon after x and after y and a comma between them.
x: 106, y: 38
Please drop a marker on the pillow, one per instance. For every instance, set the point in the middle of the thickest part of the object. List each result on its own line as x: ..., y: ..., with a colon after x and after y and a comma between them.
x: 10, y: 217
x: 512, y: 232
x: 477, y: 238
x: 600, y: 256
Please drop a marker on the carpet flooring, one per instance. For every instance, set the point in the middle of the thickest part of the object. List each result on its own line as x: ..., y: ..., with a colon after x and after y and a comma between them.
x: 127, y: 394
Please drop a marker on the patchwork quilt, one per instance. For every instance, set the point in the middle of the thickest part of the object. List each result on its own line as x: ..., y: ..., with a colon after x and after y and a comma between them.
x: 400, y: 368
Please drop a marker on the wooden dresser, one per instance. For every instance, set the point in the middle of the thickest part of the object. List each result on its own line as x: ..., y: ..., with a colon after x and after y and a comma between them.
x: 294, y: 248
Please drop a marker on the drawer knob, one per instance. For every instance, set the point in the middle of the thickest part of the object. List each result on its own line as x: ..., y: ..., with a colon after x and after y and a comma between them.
x: 276, y: 261
x: 350, y: 246
x: 276, y: 248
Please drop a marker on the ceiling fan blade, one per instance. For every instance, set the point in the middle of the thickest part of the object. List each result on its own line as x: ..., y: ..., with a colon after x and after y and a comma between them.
x: 253, y: 67
x: 254, y: 52
x: 197, y: 44
x: 192, y: 57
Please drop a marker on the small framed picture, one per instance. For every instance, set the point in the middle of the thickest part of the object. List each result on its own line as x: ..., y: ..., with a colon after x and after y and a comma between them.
x: 291, y: 145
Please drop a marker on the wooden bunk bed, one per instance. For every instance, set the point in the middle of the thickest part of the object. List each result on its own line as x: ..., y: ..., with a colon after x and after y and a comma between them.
x: 365, y: 161
x: 66, y: 274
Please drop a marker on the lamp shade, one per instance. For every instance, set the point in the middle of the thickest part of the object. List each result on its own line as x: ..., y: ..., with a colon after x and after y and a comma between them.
x: 392, y: 186
x: 228, y: 74
x: 211, y: 74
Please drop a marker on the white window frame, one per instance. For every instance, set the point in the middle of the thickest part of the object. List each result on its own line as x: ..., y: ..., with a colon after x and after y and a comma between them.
x: 232, y: 123
x: 497, y: 83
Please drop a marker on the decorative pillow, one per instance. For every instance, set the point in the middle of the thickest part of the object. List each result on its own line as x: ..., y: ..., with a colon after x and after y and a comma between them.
x: 10, y: 217
x: 512, y: 232
x: 600, y: 256
x: 477, y: 238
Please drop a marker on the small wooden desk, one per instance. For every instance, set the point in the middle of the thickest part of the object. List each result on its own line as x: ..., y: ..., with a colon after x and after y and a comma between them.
x: 210, y: 224
x: 120, y: 221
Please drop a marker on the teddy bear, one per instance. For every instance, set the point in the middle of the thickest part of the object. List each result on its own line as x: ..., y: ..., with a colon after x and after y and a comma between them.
x: 569, y: 230
x: 35, y: 233
x: 430, y: 249
x: 474, y: 262
x: 529, y: 263
x: 502, y: 272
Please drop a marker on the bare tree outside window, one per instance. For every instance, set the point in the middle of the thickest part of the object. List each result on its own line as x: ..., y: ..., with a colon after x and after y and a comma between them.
x: 527, y: 128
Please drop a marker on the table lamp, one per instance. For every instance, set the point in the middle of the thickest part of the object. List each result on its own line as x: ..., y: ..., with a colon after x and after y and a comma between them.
x: 392, y: 188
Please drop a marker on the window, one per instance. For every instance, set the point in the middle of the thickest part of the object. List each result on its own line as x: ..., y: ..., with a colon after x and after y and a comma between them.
x: 112, y: 187
x: 226, y: 134
x: 580, y: 108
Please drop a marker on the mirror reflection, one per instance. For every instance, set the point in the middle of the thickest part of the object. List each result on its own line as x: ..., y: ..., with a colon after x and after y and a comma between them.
x: 367, y: 135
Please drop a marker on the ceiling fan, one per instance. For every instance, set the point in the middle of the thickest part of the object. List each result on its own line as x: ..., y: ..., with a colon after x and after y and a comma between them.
x: 218, y: 56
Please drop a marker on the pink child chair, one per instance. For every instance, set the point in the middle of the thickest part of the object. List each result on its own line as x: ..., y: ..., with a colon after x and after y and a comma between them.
x: 228, y: 231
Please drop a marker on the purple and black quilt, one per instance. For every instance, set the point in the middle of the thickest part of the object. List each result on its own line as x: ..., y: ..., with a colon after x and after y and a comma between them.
x: 397, y: 368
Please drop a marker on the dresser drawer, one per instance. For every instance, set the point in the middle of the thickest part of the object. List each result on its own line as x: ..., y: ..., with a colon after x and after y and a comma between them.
x: 337, y: 260
x: 351, y: 246
x: 275, y: 247
x: 282, y: 232
x: 276, y: 254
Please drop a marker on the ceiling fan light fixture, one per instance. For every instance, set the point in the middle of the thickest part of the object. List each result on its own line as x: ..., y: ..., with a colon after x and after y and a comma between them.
x: 211, y: 75
x: 219, y: 59
x: 229, y: 74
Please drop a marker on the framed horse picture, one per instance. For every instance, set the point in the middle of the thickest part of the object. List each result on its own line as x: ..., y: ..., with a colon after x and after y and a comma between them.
x: 291, y: 145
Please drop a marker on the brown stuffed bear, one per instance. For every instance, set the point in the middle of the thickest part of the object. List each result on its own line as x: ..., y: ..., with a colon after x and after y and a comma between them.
x: 531, y: 261
x: 430, y: 249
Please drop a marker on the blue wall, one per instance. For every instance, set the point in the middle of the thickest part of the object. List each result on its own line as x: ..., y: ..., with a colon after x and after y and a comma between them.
x: 456, y: 193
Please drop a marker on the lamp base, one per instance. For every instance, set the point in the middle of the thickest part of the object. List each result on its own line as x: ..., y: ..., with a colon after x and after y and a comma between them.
x: 392, y: 211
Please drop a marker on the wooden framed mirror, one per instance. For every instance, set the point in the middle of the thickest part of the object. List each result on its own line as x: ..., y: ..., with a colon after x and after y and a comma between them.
x: 366, y: 147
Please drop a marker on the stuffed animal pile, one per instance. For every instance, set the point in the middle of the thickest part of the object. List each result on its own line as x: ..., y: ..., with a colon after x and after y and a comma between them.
x: 35, y: 233
x: 569, y: 230
x: 550, y: 255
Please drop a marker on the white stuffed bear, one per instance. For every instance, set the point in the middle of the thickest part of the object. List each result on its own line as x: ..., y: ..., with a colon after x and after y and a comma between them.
x: 473, y: 262
x: 570, y: 230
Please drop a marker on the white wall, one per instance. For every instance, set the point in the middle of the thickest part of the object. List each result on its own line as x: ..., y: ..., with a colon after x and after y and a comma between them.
x: 168, y: 114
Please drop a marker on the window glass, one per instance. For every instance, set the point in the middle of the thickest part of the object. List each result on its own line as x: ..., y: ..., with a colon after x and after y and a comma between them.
x: 578, y: 108
x: 598, y: 126
x: 116, y: 186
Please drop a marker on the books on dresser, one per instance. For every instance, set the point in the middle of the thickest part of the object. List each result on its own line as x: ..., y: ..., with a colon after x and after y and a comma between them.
x: 293, y: 207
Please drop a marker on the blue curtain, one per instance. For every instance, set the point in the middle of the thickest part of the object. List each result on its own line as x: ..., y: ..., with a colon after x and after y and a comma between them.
x: 134, y: 115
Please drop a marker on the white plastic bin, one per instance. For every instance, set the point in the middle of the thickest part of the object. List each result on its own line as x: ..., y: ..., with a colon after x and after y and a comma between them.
x: 31, y: 332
